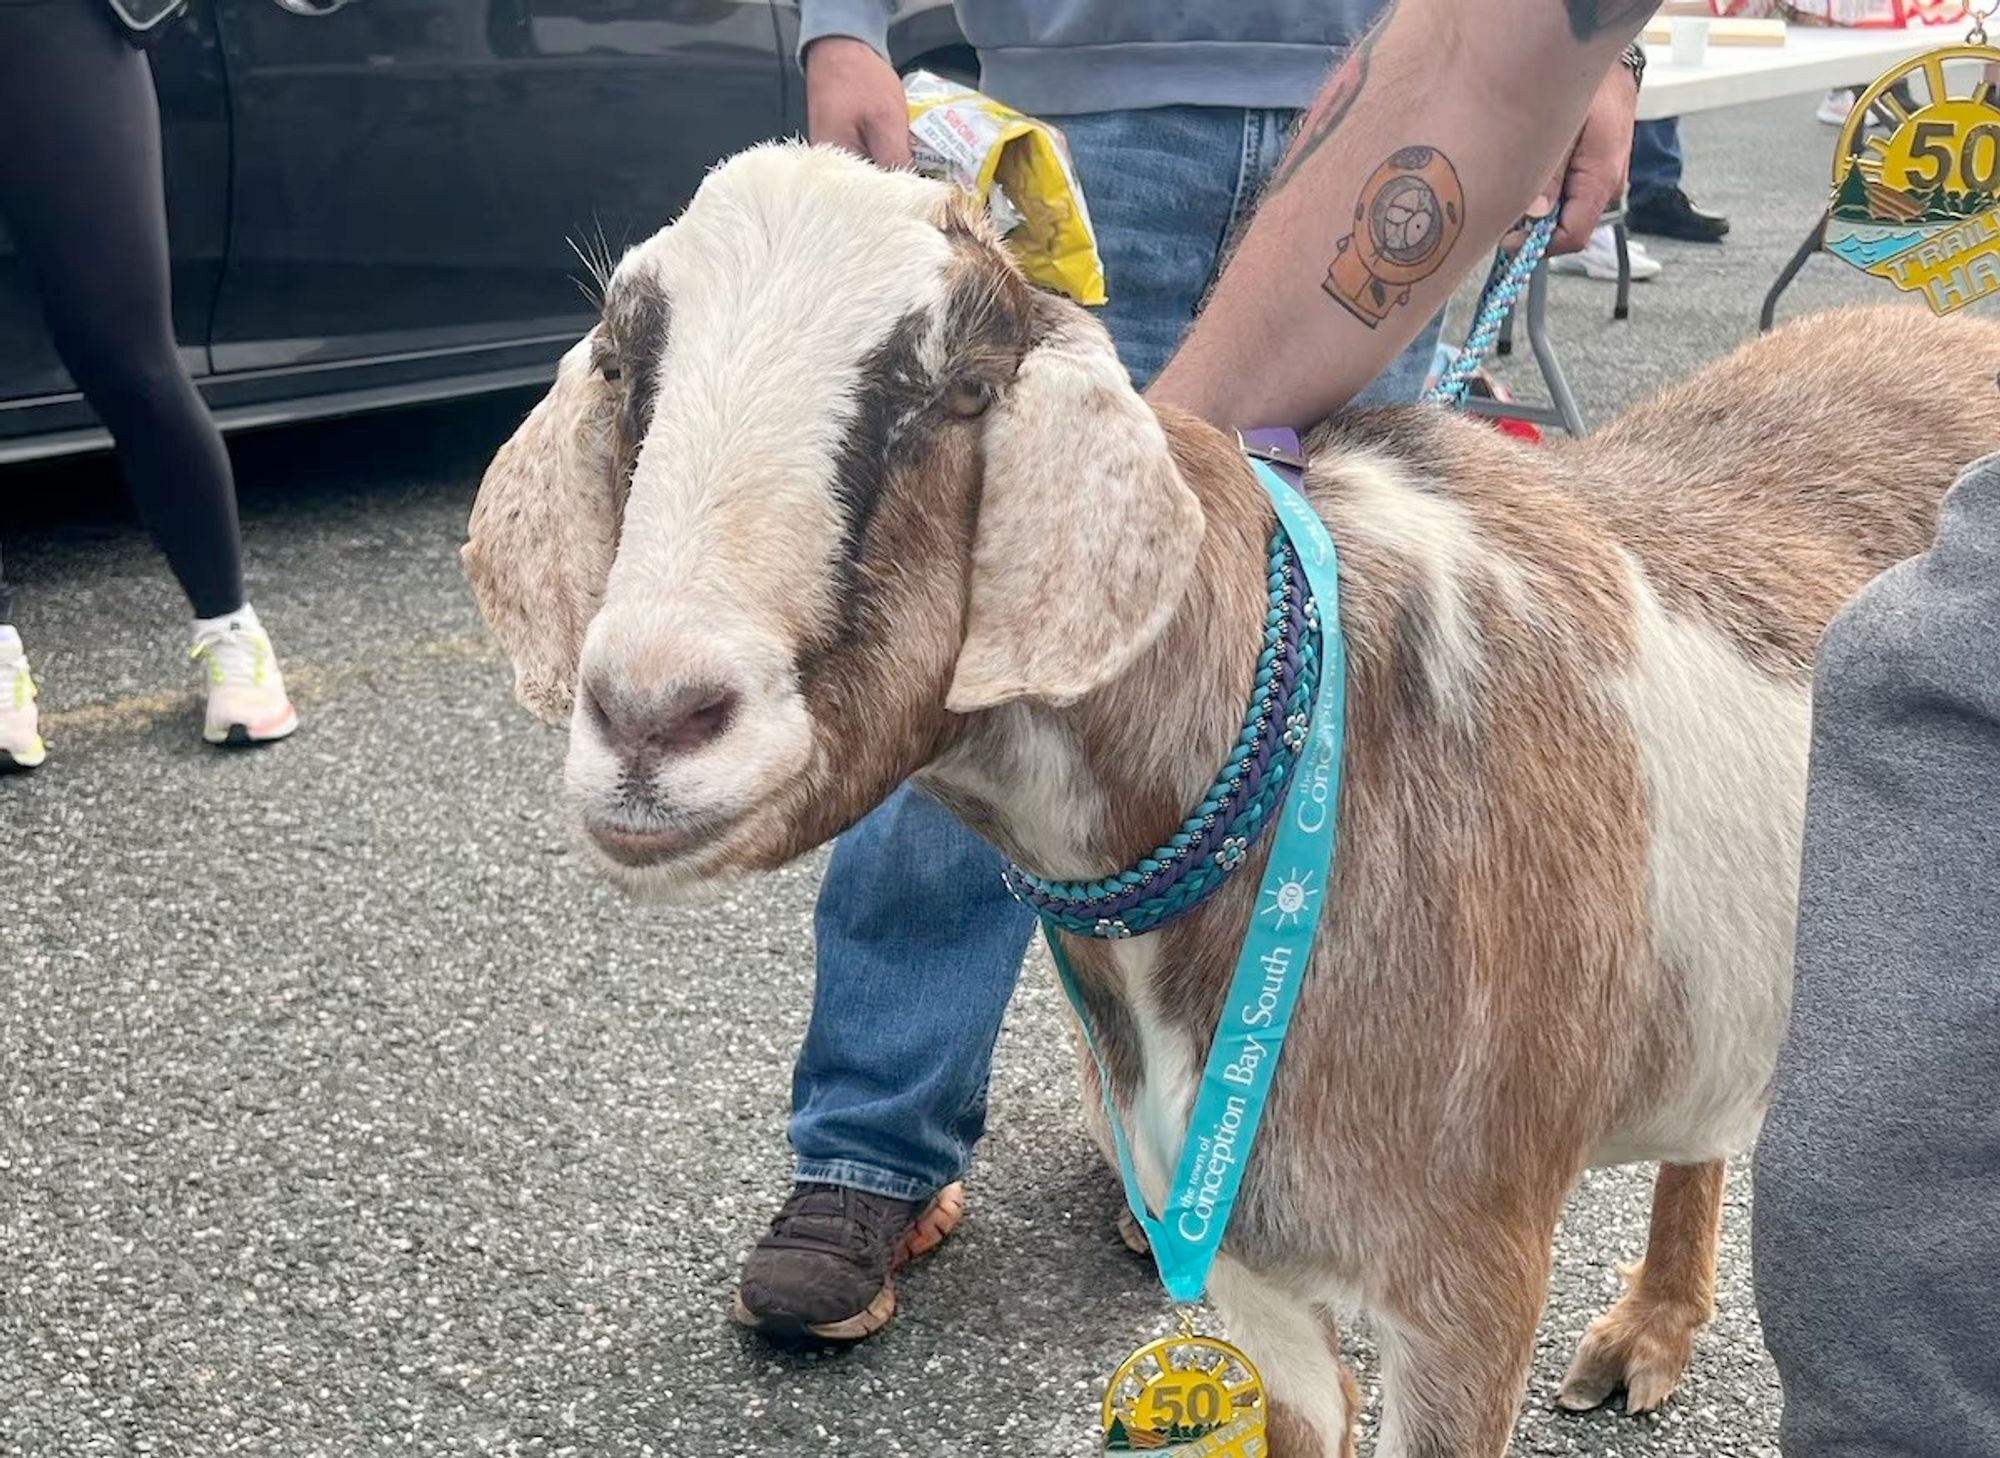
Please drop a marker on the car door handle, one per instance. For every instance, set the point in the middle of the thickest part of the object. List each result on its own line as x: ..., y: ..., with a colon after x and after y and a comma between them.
x: 313, y: 8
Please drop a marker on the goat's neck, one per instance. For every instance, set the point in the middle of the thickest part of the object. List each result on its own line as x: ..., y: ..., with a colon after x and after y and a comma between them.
x: 1084, y: 791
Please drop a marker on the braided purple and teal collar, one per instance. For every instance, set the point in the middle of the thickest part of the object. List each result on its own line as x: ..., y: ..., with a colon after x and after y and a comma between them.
x: 1216, y: 838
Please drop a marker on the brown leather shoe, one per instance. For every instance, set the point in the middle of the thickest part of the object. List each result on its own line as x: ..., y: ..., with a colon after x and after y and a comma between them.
x: 824, y: 1272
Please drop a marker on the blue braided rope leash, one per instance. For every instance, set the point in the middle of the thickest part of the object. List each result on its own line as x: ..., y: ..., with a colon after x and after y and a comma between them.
x: 1186, y: 868
x: 1191, y: 864
x: 1496, y: 301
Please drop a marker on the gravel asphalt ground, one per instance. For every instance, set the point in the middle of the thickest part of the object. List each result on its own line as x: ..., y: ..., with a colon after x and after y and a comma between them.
x: 341, y: 1115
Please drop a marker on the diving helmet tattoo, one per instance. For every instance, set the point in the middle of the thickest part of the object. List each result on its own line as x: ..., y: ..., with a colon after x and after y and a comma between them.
x: 1408, y: 217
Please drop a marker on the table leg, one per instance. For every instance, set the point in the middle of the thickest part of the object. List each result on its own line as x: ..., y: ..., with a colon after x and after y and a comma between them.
x: 1815, y: 243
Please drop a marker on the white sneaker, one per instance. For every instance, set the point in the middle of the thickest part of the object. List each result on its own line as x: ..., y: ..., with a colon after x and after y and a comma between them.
x: 21, y: 744
x: 1834, y: 107
x: 1599, y: 258
x: 246, y: 692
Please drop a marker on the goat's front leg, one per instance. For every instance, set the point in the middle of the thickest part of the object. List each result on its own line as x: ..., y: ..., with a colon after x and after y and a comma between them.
x: 1312, y: 1401
x: 1097, y: 1124
x: 1643, y: 1343
x: 1455, y: 1325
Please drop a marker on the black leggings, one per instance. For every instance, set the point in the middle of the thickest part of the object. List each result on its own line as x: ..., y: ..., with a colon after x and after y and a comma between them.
x: 81, y: 190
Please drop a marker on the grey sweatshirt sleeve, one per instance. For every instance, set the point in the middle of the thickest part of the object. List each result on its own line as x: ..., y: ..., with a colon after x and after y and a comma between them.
x: 1878, y: 1172
x: 864, y: 20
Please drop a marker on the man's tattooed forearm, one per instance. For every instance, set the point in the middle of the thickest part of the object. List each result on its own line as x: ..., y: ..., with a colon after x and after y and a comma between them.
x: 1591, y: 18
x: 1409, y: 215
x: 1332, y: 106
x: 1587, y: 19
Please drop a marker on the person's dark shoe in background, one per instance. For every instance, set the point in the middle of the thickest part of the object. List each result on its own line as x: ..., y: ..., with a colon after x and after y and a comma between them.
x: 1665, y: 212
x: 823, y: 1273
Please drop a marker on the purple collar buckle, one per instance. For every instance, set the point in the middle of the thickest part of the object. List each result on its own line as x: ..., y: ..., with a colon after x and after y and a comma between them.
x: 1280, y: 450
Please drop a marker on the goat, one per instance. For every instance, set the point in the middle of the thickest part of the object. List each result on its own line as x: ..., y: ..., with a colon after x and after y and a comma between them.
x: 832, y: 498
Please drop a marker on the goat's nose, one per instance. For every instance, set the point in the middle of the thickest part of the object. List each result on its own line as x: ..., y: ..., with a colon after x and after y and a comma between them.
x: 643, y: 729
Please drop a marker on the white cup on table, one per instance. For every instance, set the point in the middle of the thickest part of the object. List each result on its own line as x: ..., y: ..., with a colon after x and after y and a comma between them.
x: 1688, y: 39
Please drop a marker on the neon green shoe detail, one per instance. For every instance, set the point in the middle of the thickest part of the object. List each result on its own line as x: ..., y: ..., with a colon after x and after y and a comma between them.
x: 247, y: 703
x: 20, y: 738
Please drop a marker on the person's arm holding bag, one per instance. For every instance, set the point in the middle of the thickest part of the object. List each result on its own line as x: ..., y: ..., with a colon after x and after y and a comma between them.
x: 854, y: 99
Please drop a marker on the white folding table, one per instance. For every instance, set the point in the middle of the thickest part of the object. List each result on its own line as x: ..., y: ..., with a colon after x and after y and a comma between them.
x: 1811, y: 60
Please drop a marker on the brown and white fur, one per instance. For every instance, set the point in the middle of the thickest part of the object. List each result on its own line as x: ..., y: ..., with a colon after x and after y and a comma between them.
x: 831, y: 498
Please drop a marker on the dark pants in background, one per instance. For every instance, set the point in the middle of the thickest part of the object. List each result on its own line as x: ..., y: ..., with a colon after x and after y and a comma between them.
x: 82, y: 195
x: 1656, y: 156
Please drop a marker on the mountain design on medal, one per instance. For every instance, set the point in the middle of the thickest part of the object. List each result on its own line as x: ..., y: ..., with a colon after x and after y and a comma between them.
x: 1918, y: 204
x: 1175, y: 1438
x: 1185, y: 1397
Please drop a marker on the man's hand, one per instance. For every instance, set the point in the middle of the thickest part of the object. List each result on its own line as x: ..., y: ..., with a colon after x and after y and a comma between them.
x: 1594, y: 173
x: 854, y: 99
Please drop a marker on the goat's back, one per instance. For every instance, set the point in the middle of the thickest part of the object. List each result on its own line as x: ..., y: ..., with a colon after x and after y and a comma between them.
x: 1578, y: 713
x: 1758, y: 495
x: 1773, y: 485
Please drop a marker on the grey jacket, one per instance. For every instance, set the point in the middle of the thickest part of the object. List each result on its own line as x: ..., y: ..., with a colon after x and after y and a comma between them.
x: 1057, y: 57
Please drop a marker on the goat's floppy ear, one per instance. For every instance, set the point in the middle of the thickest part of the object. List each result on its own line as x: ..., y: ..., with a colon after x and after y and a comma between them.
x: 543, y: 532
x: 1087, y: 533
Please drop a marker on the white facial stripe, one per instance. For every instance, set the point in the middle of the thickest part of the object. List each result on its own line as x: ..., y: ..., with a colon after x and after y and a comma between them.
x: 779, y: 292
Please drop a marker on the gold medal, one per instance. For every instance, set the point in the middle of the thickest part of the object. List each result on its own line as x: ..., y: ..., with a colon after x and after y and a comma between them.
x: 1186, y: 1396
x: 1919, y: 205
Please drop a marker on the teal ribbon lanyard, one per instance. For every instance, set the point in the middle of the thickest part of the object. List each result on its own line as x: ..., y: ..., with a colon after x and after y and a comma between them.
x: 1241, y: 1061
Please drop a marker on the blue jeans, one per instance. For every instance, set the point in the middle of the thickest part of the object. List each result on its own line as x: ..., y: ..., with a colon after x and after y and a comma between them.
x: 919, y: 944
x: 1656, y: 156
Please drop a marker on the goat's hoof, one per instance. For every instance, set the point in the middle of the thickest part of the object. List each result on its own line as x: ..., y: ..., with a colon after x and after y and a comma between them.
x: 1642, y: 1344
x: 1133, y: 1237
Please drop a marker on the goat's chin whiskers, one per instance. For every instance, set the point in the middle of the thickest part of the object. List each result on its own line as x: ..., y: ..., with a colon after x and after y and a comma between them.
x: 671, y: 886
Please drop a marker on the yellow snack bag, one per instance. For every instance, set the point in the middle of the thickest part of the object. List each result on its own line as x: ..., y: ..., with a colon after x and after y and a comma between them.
x: 975, y: 142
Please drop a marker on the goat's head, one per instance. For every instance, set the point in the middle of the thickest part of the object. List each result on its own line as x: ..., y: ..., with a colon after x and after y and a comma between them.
x: 828, y: 476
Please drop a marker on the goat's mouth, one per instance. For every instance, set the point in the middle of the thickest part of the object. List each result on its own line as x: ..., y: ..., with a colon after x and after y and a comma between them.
x: 644, y: 845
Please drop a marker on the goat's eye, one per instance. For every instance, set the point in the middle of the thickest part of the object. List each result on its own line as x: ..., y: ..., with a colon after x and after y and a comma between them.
x: 968, y: 399
x: 611, y: 370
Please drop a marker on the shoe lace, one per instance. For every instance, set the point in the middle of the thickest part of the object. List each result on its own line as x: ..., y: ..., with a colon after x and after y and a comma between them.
x: 233, y: 656
x: 838, y: 1218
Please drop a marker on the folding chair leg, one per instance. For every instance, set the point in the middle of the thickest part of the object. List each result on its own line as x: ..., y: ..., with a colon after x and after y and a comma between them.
x: 1815, y: 242
x: 1545, y: 354
x: 1621, y: 308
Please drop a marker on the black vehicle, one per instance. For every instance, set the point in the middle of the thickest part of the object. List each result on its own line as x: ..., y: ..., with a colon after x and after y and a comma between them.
x: 377, y: 202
